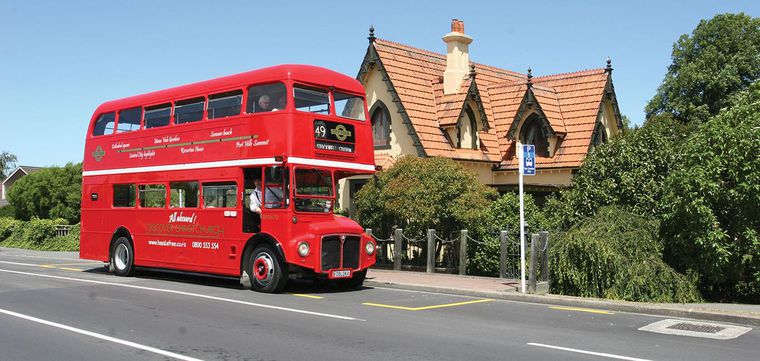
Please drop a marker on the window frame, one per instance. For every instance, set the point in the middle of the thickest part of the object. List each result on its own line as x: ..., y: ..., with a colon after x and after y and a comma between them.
x: 534, y: 118
x: 139, y: 119
x: 166, y: 195
x: 223, y: 95
x: 156, y: 105
x: 197, y: 197
x: 133, y: 199
x: 381, y: 107
x: 316, y: 89
x: 252, y: 110
x: 188, y: 99
x: 202, y: 194
x: 95, y: 124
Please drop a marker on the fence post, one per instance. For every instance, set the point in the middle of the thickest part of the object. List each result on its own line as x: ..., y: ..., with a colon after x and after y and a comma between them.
x: 544, y: 236
x: 397, y: 241
x: 430, y: 250
x: 463, y: 252
x: 533, y: 263
x: 503, y: 247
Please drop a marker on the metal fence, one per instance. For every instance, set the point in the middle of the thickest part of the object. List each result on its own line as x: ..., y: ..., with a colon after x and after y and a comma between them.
x: 433, y: 253
x: 62, y: 230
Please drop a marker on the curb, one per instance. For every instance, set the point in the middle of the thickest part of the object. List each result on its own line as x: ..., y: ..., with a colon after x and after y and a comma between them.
x: 571, y: 301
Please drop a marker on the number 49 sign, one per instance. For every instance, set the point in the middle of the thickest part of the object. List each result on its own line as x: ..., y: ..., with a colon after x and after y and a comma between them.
x: 529, y: 159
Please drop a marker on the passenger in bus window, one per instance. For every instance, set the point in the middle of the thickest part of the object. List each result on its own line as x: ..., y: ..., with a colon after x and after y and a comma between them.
x: 281, y: 103
x: 264, y: 104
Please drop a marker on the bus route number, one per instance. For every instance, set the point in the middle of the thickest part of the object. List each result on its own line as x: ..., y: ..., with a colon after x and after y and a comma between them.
x: 320, y: 131
x: 206, y: 245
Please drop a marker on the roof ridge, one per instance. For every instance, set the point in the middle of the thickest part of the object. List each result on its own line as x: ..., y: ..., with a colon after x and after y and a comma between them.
x: 427, y: 52
x: 442, y: 56
x: 571, y: 74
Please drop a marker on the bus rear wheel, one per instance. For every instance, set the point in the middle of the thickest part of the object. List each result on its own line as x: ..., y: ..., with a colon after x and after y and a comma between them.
x: 267, y: 270
x: 123, y: 257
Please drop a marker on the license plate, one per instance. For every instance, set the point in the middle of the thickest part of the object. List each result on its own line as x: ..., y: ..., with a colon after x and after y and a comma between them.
x: 341, y: 273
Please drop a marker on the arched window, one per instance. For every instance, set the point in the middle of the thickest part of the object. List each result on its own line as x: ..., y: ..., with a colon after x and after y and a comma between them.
x: 600, y: 135
x: 381, y: 125
x: 467, y: 130
x: 531, y: 133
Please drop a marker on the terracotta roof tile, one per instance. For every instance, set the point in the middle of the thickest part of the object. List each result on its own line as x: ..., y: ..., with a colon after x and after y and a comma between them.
x: 570, y: 102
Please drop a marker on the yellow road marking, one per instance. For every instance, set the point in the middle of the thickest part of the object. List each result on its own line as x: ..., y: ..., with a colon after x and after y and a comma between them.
x: 307, y: 296
x: 579, y: 309
x: 47, y: 266
x: 426, y: 307
x: 70, y: 269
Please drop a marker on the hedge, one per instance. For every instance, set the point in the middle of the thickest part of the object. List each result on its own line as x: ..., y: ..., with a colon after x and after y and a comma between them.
x: 37, y: 234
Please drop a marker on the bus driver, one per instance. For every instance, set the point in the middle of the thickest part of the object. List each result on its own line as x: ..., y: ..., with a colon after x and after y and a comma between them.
x: 273, y: 197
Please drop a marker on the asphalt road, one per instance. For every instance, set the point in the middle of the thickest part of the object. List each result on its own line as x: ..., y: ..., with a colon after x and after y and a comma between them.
x: 56, y: 307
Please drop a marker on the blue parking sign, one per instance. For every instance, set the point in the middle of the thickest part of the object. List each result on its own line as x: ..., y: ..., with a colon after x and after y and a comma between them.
x: 529, y: 159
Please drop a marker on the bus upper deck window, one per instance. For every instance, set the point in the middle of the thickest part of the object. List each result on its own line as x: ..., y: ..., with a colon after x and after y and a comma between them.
x: 313, y: 100
x: 189, y: 110
x: 266, y: 98
x: 158, y: 115
x: 105, y: 124
x: 349, y: 106
x: 129, y: 120
x: 224, y: 104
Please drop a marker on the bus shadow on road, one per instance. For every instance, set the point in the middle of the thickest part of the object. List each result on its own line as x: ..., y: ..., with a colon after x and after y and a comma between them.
x: 209, y: 280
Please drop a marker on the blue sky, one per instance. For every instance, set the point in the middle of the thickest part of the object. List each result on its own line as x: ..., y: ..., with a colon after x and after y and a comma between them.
x: 60, y: 59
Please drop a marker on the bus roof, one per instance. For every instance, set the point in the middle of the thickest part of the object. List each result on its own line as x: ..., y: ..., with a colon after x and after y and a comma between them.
x: 301, y: 73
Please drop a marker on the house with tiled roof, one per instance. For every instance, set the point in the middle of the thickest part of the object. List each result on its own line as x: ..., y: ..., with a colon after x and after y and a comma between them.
x: 432, y: 104
x: 7, y: 183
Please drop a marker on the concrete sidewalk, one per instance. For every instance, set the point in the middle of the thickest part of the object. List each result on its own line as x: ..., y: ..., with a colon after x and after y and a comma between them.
x: 506, y: 289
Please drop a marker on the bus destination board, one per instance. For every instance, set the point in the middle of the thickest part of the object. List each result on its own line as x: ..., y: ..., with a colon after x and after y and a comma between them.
x: 333, y: 136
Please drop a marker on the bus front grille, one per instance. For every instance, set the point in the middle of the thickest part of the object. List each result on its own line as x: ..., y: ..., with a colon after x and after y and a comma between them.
x: 335, y: 246
x: 330, y: 252
x: 351, y: 252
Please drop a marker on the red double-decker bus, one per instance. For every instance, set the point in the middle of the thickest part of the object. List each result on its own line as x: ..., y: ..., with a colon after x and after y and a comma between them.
x: 233, y: 176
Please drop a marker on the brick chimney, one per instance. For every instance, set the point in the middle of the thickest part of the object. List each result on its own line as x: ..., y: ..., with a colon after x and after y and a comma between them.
x: 457, y: 57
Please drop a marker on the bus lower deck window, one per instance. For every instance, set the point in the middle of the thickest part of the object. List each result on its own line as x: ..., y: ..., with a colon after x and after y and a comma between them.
x: 152, y: 195
x: 220, y: 195
x: 183, y: 195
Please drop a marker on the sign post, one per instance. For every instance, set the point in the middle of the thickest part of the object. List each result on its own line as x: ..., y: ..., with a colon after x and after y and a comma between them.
x: 527, y: 166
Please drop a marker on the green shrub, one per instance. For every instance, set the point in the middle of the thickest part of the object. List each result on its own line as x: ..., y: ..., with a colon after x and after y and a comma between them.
x: 7, y: 212
x: 503, y: 214
x: 7, y: 227
x: 34, y: 234
x: 618, y: 255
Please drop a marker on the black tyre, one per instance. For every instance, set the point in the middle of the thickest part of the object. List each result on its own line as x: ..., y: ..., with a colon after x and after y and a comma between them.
x: 267, y: 270
x: 123, y: 257
x: 354, y: 282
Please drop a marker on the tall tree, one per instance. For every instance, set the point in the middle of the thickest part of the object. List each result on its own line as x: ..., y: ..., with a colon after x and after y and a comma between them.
x: 720, y: 58
x: 7, y: 163
x: 711, y: 220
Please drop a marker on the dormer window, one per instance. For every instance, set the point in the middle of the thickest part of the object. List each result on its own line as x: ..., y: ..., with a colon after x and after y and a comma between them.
x: 467, y: 130
x: 531, y: 133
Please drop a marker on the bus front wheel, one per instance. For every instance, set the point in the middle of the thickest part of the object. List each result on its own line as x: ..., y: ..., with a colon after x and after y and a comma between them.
x: 267, y: 271
x: 123, y: 257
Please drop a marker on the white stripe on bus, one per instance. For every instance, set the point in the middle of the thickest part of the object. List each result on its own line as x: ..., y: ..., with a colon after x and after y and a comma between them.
x: 331, y: 163
x: 230, y: 163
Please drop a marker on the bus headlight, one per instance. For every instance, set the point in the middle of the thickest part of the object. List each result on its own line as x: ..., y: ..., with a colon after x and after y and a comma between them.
x: 369, y: 248
x: 303, y: 249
